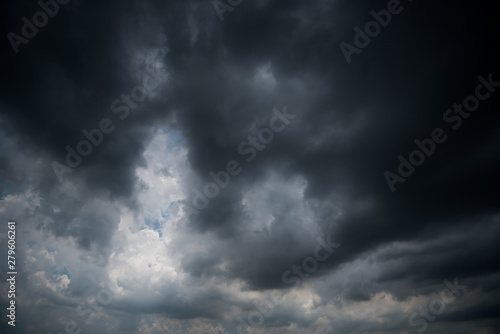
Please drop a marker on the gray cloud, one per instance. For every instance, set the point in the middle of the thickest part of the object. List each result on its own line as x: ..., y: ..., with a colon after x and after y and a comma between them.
x: 119, y: 220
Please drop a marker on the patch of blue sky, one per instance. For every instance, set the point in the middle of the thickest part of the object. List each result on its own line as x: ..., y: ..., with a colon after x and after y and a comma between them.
x: 62, y: 272
x: 171, y: 211
x: 153, y: 224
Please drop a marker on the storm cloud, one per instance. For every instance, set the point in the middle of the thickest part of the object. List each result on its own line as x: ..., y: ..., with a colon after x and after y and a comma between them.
x: 195, y: 161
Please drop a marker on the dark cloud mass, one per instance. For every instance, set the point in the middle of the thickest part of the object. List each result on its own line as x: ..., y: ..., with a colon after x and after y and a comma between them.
x: 172, y: 172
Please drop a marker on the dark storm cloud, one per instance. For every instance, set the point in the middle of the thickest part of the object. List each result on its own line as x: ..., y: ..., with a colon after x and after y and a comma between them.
x: 72, y: 72
x: 394, y: 92
x: 63, y: 82
x: 354, y: 120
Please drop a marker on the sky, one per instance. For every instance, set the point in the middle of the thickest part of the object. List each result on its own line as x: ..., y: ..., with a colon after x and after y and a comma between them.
x: 241, y: 166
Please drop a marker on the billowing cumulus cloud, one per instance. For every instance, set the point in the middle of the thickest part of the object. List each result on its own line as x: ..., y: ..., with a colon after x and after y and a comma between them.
x: 250, y: 166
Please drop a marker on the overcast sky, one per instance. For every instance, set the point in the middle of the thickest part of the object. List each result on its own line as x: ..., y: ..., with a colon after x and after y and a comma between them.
x: 250, y: 166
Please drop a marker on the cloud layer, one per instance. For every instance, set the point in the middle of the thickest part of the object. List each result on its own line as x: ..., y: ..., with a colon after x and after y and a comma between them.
x: 125, y: 220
